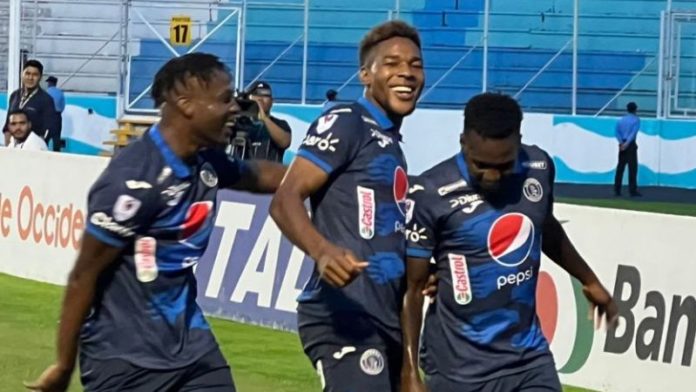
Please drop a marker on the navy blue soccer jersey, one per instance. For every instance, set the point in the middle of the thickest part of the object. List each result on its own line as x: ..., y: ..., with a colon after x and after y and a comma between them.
x: 362, y: 207
x: 487, y: 253
x: 160, y: 211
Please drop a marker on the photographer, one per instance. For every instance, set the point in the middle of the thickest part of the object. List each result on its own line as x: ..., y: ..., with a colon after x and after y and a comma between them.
x: 270, y: 136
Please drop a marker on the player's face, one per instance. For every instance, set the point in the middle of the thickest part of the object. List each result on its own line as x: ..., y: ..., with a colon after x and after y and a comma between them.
x: 394, y: 77
x: 30, y: 77
x: 19, y: 126
x: 213, y: 108
x: 490, y: 160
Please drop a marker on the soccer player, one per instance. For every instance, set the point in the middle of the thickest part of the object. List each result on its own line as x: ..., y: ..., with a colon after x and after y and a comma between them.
x: 352, y: 168
x: 485, y: 215
x: 130, y: 302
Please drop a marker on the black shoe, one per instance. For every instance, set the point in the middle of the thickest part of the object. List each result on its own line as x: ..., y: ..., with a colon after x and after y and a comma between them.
x: 636, y: 194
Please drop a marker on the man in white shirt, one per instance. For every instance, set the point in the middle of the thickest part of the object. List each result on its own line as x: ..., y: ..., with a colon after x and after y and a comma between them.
x: 22, y: 137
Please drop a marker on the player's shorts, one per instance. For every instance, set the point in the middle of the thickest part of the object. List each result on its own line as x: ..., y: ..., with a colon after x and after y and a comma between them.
x: 351, y: 355
x: 539, y: 379
x: 211, y: 373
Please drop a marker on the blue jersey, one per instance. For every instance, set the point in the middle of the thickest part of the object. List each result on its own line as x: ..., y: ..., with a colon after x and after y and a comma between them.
x: 487, y: 253
x: 362, y: 208
x: 160, y: 211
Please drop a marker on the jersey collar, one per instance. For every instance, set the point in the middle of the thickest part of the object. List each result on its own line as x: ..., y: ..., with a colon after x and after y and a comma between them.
x: 181, y: 170
x: 376, y: 114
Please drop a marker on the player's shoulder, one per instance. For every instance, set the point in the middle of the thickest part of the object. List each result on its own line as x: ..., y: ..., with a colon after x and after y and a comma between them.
x: 441, y: 179
x: 534, y: 157
x: 348, y: 116
x: 135, y: 167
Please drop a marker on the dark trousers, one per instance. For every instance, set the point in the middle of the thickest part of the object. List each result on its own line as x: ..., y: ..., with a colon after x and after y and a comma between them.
x: 629, y: 157
x: 55, y: 135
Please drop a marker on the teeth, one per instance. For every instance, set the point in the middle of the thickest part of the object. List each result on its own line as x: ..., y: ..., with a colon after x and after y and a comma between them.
x: 402, y: 89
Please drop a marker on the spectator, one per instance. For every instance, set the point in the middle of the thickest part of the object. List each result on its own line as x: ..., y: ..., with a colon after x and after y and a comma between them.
x: 626, y: 133
x: 59, y: 101
x: 34, y: 101
x: 330, y: 100
x: 21, y: 136
x: 271, y: 136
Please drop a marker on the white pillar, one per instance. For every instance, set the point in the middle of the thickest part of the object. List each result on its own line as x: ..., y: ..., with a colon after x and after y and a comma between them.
x: 13, y: 55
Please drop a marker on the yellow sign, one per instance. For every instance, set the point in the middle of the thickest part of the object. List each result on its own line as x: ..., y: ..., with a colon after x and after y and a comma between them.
x: 180, y: 30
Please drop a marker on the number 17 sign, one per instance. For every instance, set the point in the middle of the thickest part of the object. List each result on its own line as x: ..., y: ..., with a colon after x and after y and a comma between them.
x: 180, y: 30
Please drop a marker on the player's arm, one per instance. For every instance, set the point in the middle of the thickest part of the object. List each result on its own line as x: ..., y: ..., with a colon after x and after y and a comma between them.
x: 558, y: 247
x: 417, y: 272
x: 332, y: 142
x: 337, y: 266
x: 94, y: 257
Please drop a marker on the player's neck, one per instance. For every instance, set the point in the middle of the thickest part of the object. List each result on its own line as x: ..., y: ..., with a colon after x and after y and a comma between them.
x: 395, y: 119
x: 178, y: 139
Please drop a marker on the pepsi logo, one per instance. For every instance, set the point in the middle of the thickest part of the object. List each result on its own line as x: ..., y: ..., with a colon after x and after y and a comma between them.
x: 400, y: 189
x: 196, y: 217
x: 510, y: 239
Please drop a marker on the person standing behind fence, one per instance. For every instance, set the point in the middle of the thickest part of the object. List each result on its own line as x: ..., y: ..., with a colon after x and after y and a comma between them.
x: 626, y: 133
x: 34, y: 101
x: 59, y: 102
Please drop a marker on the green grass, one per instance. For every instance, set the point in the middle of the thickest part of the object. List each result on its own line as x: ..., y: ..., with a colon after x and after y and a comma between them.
x: 635, y: 205
x: 262, y: 360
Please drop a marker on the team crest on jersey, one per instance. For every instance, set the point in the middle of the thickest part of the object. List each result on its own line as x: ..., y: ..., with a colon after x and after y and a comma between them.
x: 401, y: 189
x: 209, y: 178
x: 533, y: 190
x: 326, y: 122
x: 510, y: 239
x: 461, y: 286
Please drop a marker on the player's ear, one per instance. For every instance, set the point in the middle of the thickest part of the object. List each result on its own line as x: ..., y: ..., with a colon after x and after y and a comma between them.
x: 365, y: 76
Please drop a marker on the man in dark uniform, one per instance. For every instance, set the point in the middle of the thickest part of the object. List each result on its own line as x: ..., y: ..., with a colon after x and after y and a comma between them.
x: 130, y: 303
x: 34, y: 101
x: 352, y: 168
x: 485, y: 216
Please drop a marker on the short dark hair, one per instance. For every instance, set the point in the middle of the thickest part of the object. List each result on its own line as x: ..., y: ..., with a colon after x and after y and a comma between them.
x: 493, y: 115
x: 331, y: 94
x: 383, y: 32
x: 201, y: 66
x: 18, y: 111
x: 34, y: 63
x: 632, y: 107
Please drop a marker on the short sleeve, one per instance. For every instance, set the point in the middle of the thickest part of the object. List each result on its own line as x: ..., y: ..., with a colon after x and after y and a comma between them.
x: 421, y: 220
x: 120, y: 206
x: 333, y: 140
x: 283, y: 125
x: 229, y: 170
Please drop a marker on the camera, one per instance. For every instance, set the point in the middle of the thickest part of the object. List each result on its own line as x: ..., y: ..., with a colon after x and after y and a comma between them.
x: 244, y: 124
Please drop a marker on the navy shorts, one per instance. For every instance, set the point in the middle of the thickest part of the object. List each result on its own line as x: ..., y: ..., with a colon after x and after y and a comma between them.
x: 211, y: 373
x: 539, y: 379
x: 358, y: 358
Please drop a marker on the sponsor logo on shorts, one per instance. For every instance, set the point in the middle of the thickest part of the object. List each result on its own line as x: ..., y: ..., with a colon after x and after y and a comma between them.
x: 372, y: 362
x: 366, y: 209
x: 461, y: 286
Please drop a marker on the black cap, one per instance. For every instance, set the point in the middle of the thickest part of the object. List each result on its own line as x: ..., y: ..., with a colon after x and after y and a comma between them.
x: 261, y: 88
x: 52, y: 79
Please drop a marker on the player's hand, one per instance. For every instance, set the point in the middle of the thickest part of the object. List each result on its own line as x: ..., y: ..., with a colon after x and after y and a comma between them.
x: 430, y: 289
x: 412, y: 383
x: 602, y: 306
x: 54, y: 379
x: 338, y: 266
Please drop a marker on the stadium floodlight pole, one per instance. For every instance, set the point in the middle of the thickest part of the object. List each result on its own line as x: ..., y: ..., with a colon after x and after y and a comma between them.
x: 486, y: 19
x: 13, y: 55
x: 305, y: 51
x: 576, y: 18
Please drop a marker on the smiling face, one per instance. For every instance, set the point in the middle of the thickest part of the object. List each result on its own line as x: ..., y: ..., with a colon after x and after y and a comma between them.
x: 393, y: 76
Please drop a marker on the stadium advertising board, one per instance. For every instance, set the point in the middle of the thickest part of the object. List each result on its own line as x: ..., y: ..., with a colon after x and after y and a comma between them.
x: 252, y: 274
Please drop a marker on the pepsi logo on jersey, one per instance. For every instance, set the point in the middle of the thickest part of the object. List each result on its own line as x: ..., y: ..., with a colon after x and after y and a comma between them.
x: 510, y: 239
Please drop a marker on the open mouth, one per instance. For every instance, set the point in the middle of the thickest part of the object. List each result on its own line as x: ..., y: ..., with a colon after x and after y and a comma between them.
x: 404, y: 93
